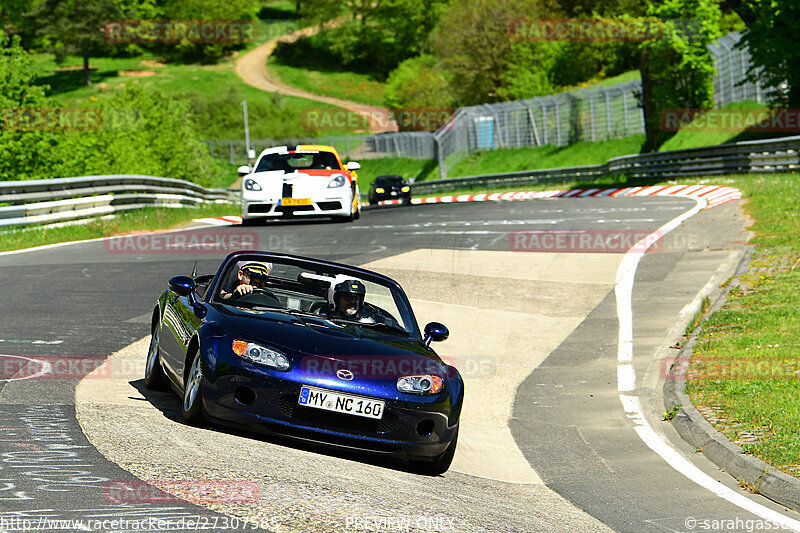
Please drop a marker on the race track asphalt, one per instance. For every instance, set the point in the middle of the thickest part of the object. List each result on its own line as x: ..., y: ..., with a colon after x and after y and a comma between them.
x: 564, y: 458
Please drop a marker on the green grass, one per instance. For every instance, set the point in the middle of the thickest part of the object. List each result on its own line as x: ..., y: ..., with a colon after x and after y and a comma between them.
x: 419, y: 169
x: 353, y: 86
x: 694, y: 136
x: 206, y: 85
x: 746, y: 363
x: 284, y: 117
x: 125, y: 222
x: 548, y: 156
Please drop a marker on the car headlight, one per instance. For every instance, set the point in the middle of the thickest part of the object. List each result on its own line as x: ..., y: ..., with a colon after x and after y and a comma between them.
x: 406, y: 188
x: 337, y: 181
x: 379, y: 190
x: 255, y: 353
x: 425, y: 384
x: 251, y: 185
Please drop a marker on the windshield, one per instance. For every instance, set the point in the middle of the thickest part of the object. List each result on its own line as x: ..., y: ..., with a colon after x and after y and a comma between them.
x: 290, y: 162
x: 397, y: 180
x: 304, y: 288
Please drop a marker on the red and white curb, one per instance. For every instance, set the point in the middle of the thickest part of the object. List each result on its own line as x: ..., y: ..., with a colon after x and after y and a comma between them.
x: 219, y: 221
x: 714, y: 195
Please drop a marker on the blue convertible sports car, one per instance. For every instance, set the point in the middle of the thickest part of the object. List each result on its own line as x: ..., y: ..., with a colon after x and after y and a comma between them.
x: 311, y: 350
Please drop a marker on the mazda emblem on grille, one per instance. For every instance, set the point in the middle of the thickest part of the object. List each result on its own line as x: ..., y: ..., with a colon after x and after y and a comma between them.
x: 344, y: 374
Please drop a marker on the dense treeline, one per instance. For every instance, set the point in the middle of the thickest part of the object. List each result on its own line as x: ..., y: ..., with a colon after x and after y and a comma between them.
x: 431, y: 53
x: 445, y: 54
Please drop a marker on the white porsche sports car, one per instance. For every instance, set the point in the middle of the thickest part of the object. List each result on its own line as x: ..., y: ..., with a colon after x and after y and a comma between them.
x: 302, y: 180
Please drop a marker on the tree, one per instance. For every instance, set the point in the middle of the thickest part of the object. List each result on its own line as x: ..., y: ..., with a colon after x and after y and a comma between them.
x: 374, y: 35
x: 24, y: 150
x: 74, y: 27
x: 771, y: 35
x: 418, y: 92
x: 677, y: 71
x: 12, y: 19
x: 472, y: 42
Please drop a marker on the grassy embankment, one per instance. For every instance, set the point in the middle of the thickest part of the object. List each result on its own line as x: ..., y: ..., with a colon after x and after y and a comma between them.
x: 745, y: 372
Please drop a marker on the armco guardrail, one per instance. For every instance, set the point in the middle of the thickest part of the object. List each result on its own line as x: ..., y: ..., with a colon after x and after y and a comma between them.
x: 67, y: 199
x: 774, y: 155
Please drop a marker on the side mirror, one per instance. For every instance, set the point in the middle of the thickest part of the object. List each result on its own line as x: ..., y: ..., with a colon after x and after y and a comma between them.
x: 182, y: 285
x: 435, y: 332
x: 243, y: 170
x: 352, y: 165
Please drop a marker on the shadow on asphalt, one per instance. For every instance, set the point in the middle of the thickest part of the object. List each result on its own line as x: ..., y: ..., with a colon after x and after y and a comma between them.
x: 169, y: 405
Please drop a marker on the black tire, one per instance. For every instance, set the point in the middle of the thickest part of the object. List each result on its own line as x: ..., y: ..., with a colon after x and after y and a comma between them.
x: 192, y: 404
x: 251, y: 221
x: 439, y: 465
x: 154, y: 378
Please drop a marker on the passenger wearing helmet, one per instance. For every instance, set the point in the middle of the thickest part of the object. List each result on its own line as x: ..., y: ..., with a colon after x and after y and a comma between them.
x: 346, y: 300
x: 251, y: 276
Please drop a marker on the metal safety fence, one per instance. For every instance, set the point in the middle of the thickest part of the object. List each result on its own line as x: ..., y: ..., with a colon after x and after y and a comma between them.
x: 594, y: 114
x: 772, y: 155
x: 49, y: 201
x: 411, y: 144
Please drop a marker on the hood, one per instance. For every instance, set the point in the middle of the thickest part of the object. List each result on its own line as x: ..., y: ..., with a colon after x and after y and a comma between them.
x: 305, y: 173
x: 314, y: 342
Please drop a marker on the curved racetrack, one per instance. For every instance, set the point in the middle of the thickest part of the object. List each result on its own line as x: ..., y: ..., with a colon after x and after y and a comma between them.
x: 545, y: 443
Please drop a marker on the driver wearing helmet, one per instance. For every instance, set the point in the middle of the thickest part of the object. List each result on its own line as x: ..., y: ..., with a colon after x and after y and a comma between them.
x: 346, y: 300
x: 251, y: 276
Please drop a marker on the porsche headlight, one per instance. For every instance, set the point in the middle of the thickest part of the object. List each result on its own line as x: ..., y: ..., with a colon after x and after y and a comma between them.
x: 379, y: 190
x: 406, y: 188
x: 337, y: 181
x: 251, y: 185
x: 425, y: 384
x: 255, y: 353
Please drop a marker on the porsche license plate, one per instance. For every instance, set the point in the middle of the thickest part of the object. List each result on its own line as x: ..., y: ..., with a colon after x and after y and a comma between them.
x: 295, y: 201
x: 340, y: 403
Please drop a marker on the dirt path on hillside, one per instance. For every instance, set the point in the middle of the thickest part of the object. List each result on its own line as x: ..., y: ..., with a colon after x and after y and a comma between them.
x: 252, y: 68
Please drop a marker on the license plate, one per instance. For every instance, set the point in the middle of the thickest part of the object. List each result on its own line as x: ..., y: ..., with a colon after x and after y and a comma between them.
x: 295, y: 201
x: 340, y: 403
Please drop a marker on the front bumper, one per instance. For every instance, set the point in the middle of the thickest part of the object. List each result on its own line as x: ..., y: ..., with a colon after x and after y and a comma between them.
x: 271, y: 209
x: 398, y: 195
x: 269, y: 404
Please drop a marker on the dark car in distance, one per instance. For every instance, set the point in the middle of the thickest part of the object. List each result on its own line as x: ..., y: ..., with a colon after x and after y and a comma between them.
x: 312, y: 350
x: 390, y: 187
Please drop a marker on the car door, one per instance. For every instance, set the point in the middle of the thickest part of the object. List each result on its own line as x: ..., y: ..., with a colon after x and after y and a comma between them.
x: 180, y: 323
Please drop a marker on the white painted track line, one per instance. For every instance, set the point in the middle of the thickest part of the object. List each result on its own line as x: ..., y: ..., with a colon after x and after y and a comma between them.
x: 626, y: 382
